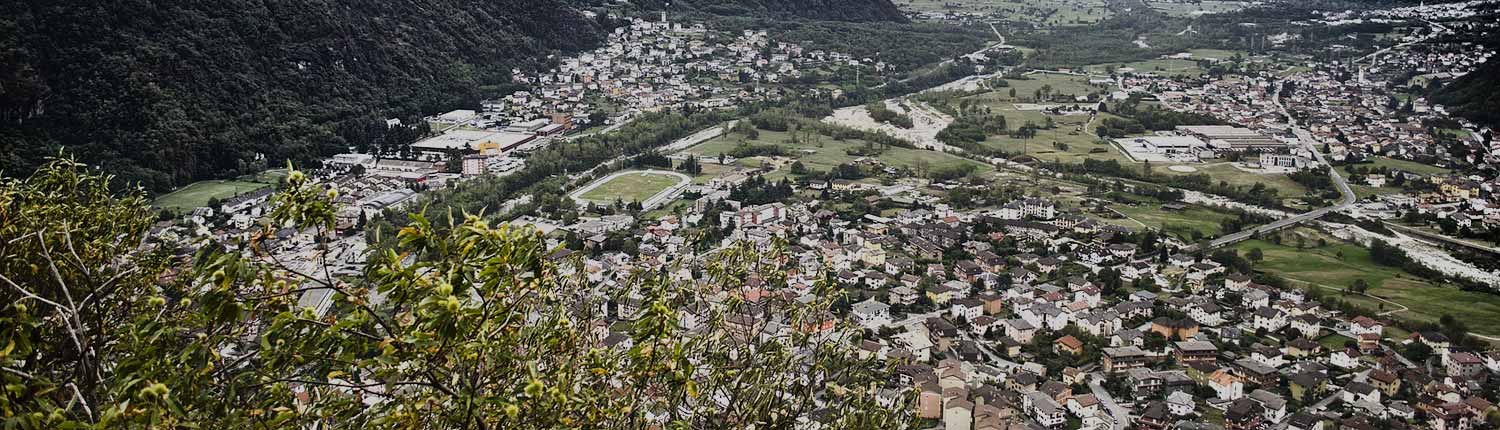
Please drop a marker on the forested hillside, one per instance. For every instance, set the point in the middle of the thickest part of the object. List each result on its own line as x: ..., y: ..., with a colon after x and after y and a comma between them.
x: 165, y: 92
x: 828, y: 10
x: 1475, y: 96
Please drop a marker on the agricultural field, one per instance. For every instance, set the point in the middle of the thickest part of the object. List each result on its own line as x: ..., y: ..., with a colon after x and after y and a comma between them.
x: 823, y: 153
x: 1336, y: 265
x: 198, y: 194
x: 1045, y: 13
x: 1193, y: 221
x: 1225, y: 172
x: 1409, y: 166
x: 630, y: 187
x: 1159, y: 66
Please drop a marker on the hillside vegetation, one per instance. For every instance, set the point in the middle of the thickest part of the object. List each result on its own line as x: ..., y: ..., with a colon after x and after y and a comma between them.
x: 167, y: 92
x: 1475, y: 96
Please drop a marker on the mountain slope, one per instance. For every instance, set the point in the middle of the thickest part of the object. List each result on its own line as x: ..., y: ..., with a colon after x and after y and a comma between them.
x: 165, y: 92
x: 1475, y: 96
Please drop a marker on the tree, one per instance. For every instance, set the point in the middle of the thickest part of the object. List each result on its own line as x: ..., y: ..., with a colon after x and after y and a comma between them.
x: 478, y: 330
x: 1359, y: 286
x: 1255, y: 255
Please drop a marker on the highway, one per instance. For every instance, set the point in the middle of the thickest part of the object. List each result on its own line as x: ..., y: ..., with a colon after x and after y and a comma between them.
x: 1305, y: 138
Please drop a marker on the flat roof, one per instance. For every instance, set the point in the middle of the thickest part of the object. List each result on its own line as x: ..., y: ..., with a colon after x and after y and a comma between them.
x: 467, y: 139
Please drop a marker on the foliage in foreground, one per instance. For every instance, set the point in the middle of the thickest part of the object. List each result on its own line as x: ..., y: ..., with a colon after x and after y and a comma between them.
x: 474, y: 327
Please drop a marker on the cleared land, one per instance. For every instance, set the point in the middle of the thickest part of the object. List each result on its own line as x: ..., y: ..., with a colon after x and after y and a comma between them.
x: 1338, y: 264
x: 197, y: 194
x: 630, y: 187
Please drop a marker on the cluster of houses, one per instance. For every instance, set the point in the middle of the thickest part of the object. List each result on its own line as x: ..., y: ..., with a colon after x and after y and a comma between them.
x: 648, y: 65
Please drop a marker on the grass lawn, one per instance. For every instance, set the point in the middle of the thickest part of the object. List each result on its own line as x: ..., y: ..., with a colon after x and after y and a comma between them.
x: 824, y: 153
x: 1362, y: 191
x: 630, y: 187
x: 1181, y: 224
x: 1334, y: 342
x: 1410, y: 166
x: 1426, y: 300
x: 197, y: 194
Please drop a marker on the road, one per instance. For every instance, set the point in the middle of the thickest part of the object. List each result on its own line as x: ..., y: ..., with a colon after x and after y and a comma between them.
x: 1305, y: 138
x: 1121, y: 416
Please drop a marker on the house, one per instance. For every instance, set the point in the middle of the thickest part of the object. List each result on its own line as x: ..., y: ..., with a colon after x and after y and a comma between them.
x: 1386, y: 382
x: 871, y: 313
x: 1069, y: 344
x: 1045, y: 410
x: 1244, y: 414
x: 1363, y: 324
x: 1226, y: 386
x: 1020, y: 330
x: 1196, y: 351
x: 1185, y: 328
x: 958, y: 414
x: 1346, y: 359
x: 1083, y: 405
x: 1273, y: 405
x: 1181, y: 403
x: 966, y: 309
x: 1155, y: 416
x: 1464, y: 364
x: 1119, y: 359
x: 1269, y: 319
x: 1360, y: 392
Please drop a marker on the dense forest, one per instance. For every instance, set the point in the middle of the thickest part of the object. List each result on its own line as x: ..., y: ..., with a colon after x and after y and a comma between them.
x: 164, y: 93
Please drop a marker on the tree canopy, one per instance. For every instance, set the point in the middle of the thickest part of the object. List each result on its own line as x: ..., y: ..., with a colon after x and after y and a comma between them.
x: 477, y: 326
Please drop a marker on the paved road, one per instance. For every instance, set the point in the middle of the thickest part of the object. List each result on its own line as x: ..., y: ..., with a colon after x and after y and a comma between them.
x: 1121, y: 416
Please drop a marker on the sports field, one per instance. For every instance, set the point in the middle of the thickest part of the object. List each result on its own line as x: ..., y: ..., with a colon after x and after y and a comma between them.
x: 1338, y: 264
x: 197, y: 194
x: 630, y: 187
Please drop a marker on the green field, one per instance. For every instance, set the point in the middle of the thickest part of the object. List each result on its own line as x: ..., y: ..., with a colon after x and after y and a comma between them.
x: 1159, y: 66
x: 1183, y: 9
x: 1283, y: 184
x: 1042, y: 12
x: 1180, y: 224
x: 1409, y: 166
x: 198, y: 194
x: 630, y: 187
x: 823, y: 153
x: 1427, y: 301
